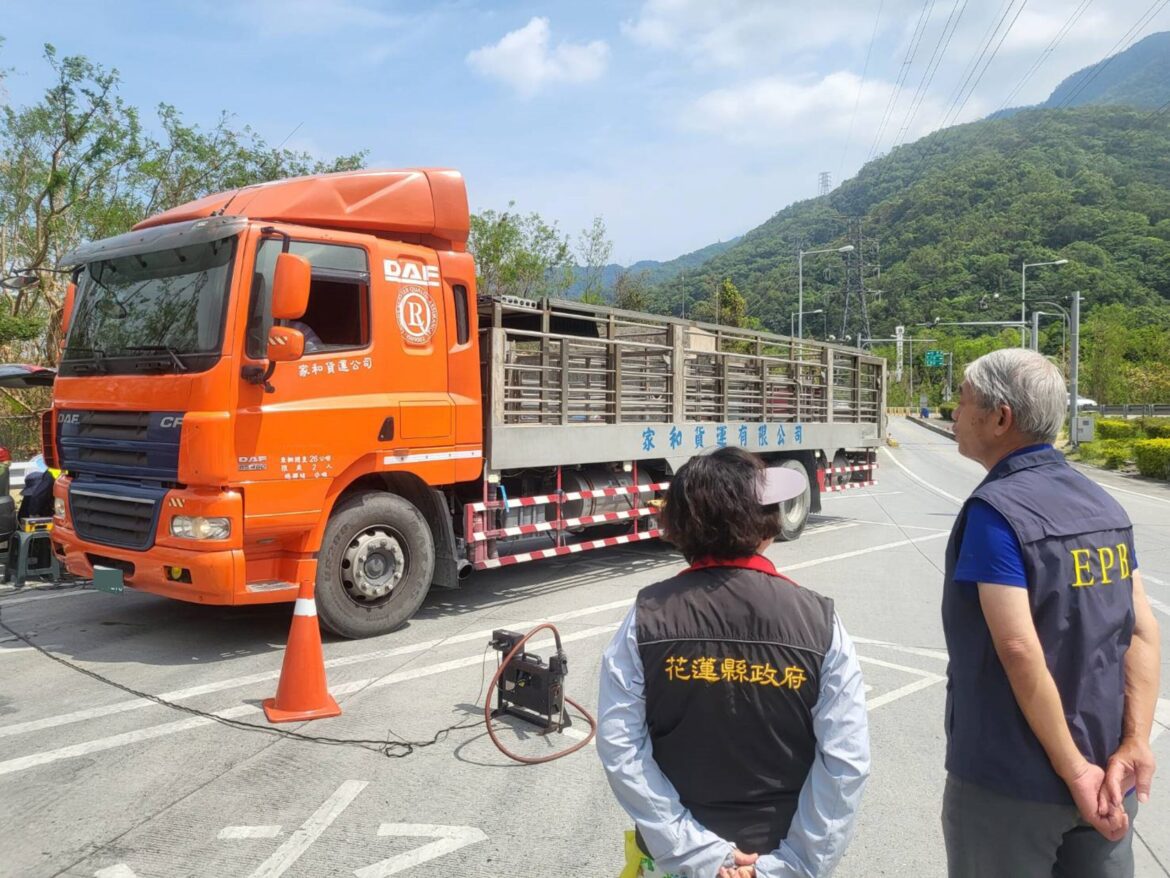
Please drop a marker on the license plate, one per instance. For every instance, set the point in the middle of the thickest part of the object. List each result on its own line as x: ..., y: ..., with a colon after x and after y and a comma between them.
x: 108, y: 579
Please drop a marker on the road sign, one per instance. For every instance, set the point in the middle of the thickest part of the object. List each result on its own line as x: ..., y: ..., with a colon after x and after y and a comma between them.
x: 935, y: 358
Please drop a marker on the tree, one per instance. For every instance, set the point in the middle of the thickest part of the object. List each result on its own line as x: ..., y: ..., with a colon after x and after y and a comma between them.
x: 519, y: 255
x: 593, y: 253
x: 78, y: 165
x: 631, y: 291
x: 725, y: 307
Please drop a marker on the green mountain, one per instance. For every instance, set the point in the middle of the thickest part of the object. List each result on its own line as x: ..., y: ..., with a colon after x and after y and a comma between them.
x: 950, y: 219
x: 1137, y: 77
x: 655, y: 272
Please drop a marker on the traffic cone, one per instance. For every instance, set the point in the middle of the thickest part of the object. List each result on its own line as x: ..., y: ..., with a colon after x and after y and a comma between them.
x: 301, y: 693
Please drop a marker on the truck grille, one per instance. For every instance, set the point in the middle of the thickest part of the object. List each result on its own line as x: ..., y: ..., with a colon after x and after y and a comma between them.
x: 112, y: 520
x: 120, y: 444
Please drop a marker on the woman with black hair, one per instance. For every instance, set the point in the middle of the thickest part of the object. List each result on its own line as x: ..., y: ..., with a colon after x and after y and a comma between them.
x: 732, y: 722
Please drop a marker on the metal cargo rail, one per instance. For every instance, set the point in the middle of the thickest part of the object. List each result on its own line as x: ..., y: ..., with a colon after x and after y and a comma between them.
x: 570, y: 383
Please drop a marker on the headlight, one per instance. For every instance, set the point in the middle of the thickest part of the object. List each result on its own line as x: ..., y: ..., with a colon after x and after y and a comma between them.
x: 58, y: 507
x: 196, y: 527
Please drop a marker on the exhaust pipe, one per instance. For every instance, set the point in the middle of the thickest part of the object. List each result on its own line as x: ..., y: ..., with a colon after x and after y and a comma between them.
x: 463, y: 569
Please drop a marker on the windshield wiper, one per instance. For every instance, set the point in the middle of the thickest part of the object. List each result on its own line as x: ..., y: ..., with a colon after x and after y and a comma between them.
x: 162, y: 348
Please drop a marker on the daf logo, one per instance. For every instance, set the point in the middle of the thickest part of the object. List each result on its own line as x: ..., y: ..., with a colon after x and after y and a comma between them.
x: 68, y: 418
x: 171, y: 422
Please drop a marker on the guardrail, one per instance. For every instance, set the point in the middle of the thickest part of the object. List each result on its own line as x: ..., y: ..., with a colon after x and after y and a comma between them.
x: 1155, y: 410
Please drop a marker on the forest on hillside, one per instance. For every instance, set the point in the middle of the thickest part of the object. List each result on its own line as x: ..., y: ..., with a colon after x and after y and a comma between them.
x: 941, y: 228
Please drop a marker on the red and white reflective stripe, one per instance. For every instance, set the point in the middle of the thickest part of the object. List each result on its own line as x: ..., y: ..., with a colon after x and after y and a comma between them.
x: 565, y: 523
x: 507, y: 560
x: 848, y: 486
x: 834, y: 470
x: 542, y: 499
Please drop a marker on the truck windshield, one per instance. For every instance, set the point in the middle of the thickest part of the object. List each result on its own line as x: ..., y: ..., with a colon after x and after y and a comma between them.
x: 151, y: 312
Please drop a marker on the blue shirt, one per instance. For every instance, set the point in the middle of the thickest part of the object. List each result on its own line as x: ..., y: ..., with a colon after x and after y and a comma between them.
x: 828, y: 801
x: 991, y: 551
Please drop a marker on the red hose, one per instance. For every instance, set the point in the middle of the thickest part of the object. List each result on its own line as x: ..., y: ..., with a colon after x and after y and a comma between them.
x: 487, y: 706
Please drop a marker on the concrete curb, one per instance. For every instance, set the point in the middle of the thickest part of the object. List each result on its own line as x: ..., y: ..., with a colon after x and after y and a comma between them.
x: 934, y: 428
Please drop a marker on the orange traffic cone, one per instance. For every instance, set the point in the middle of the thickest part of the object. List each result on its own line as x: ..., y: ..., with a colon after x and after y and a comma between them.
x: 301, y: 693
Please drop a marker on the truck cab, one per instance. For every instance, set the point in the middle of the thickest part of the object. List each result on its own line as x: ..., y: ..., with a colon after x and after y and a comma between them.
x: 242, y: 368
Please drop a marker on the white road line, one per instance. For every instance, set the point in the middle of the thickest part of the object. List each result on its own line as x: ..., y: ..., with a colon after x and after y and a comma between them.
x: 844, y: 555
x: 1158, y: 605
x: 37, y: 725
x: 1109, y: 487
x: 299, y: 842
x: 940, y: 654
x: 1161, y: 719
x: 827, y: 528
x: 12, y: 602
x: 249, y: 832
x: 342, y: 661
x: 448, y: 840
x: 119, y: 871
x: 921, y: 480
x: 847, y: 495
x: 918, y: 672
x: 1147, y: 578
x: 111, y: 742
x: 902, y: 692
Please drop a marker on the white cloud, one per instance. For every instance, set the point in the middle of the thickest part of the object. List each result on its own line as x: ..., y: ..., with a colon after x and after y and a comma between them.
x: 524, y: 59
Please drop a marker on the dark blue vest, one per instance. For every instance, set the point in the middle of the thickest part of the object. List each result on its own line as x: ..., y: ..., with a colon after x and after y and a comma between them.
x: 1077, y: 545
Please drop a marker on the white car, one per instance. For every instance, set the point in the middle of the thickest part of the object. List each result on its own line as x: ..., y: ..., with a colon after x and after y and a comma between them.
x: 1083, y: 402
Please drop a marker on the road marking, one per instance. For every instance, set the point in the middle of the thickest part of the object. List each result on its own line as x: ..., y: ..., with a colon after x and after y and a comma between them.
x: 37, y: 725
x: 300, y: 841
x: 119, y: 871
x: 940, y: 654
x: 449, y: 839
x: 846, y: 495
x: 826, y: 528
x: 841, y: 557
x: 1147, y: 578
x: 1109, y: 487
x: 11, y: 602
x: 918, y: 672
x: 249, y: 832
x: 908, y: 689
x: 1156, y: 604
x: 342, y: 661
x: 921, y: 480
x: 1161, y: 719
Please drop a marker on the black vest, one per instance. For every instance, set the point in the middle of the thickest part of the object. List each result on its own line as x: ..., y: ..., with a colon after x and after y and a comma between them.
x: 732, y: 661
x: 1077, y: 546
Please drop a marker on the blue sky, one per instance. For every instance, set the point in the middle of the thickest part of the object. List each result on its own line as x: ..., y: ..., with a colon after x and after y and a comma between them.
x: 679, y: 122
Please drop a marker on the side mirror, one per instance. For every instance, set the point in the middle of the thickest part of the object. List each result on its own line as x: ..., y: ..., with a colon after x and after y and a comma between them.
x: 285, y: 344
x: 67, y: 311
x: 290, y: 288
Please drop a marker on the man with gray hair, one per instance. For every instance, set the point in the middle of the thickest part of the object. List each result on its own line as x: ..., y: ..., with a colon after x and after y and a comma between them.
x: 1053, y: 672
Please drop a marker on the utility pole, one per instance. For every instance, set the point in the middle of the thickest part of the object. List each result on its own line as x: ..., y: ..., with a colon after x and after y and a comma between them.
x: 1074, y: 366
x: 1036, y: 330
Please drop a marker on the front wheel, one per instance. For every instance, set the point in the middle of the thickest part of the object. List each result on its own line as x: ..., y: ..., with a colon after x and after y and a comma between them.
x: 375, y: 566
x: 794, y: 512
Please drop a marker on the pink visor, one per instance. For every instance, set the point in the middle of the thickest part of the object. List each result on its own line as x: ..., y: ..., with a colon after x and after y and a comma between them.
x: 780, y: 483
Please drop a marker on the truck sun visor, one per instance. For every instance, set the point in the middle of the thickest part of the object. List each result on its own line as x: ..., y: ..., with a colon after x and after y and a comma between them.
x: 185, y: 234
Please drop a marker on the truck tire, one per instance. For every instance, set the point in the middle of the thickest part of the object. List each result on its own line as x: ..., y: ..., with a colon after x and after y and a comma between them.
x: 375, y: 566
x: 794, y: 512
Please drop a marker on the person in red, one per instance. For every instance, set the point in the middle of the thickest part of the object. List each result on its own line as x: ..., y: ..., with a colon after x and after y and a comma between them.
x: 732, y: 723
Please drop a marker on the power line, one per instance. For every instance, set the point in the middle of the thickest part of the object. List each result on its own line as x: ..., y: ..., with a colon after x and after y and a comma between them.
x: 1043, y: 56
x: 936, y: 57
x: 969, y: 70
x: 991, y: 58
x: 907, y: 62
x: 860, y: 86
x: 1129, y: 38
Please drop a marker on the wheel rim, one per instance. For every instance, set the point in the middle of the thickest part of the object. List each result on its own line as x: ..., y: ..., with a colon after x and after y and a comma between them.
x: 794, y: 511
x: 372, y: 565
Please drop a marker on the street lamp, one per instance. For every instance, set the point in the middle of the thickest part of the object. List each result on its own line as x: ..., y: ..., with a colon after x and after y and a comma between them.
x: 1023, y: 288
x: 1066, y: 324
x: 800, y: 254
x: 792, y: 317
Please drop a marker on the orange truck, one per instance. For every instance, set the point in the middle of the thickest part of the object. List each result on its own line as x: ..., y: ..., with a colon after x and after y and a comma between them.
x: 295, y: 382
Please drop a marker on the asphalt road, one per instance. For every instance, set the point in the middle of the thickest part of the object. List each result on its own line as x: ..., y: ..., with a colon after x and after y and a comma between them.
x: 97, y: 782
